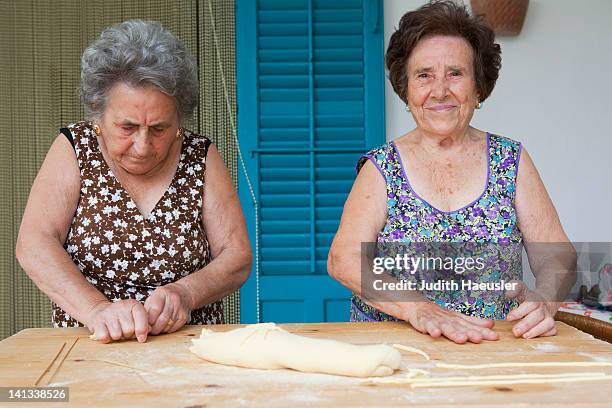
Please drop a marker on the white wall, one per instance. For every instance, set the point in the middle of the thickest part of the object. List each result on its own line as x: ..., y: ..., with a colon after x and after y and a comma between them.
x: 554, y: 94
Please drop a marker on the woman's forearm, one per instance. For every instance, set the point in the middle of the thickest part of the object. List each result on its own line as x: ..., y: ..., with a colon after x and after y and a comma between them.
x: 554, y: 268
x: 222, y: 276
x: 50, y: 267
x: 345, y: 267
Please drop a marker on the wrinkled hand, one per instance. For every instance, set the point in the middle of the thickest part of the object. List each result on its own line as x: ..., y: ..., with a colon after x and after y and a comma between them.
x: 429, y: 318
x: 123, y: 319
x: 534, y: 313
x: 168, y: 307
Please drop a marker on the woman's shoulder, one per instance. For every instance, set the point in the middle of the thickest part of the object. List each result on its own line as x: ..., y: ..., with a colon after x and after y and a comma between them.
x: 504, y: 141
x: 380, y: 151
x: 378, y: 155
x: 196, y: 145
x: 79, y: 134
x: 79, y: 130
x: 82, y: 126
x: 196, y: 138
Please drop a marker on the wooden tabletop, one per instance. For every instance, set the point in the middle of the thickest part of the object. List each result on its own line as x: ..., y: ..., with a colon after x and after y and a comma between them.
x: 163, y: 372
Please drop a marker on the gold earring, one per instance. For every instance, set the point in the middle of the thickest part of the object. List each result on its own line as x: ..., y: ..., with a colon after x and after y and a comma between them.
x: 179, y: 132
x: 407, y: 108
x: 479, y: 105
x: 96, y: 129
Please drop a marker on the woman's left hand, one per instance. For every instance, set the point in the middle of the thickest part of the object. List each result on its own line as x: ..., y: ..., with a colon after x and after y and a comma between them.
x: 168, y: 307
x: 535, y: 315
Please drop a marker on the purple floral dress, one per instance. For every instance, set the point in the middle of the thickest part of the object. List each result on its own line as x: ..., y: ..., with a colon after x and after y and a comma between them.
x: 490, y: 219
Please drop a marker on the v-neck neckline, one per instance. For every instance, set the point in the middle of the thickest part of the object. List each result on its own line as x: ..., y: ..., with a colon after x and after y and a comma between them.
x: 127, y: 193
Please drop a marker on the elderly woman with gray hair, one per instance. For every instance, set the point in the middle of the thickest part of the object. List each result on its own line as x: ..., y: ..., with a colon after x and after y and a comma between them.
x: 133, y: 226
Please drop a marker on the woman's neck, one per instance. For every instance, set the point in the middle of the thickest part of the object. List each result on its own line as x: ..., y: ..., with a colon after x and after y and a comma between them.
x: 437, y: 144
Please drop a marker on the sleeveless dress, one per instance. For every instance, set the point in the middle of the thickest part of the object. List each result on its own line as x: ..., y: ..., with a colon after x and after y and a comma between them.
x: 488, y: 220
x: 123, y: 254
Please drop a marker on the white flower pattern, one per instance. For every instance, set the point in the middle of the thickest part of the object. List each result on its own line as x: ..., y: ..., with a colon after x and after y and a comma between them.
x: 124, y: 255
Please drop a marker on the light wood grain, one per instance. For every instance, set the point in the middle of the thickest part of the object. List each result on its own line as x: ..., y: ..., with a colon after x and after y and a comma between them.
x: 163, y: 372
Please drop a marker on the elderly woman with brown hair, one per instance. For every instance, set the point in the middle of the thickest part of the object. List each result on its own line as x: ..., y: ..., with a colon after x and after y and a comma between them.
x: 133, y: 225
x: 427, y: 185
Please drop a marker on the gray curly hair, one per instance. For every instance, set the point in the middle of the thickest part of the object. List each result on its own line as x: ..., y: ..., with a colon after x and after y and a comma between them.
x: 138, y: 53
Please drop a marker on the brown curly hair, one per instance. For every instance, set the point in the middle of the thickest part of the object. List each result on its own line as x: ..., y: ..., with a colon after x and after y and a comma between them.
x: 444, y: 17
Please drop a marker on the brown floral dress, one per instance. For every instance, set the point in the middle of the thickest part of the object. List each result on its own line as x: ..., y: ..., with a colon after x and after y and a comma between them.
x: 123, y: 254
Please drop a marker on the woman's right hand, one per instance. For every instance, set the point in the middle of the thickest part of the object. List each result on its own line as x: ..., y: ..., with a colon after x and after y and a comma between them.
x: 123, y: 319
x: 429, y: 318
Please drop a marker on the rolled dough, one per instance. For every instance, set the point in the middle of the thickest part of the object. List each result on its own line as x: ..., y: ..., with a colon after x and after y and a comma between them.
x: 267, y: 346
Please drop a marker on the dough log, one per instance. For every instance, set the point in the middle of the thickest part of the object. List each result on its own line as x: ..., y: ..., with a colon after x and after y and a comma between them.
x: 267, y: 346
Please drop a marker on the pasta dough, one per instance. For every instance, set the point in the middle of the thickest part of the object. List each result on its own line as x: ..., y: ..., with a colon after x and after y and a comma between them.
x: 521, y: 365
x: 267, y: 346
x: 416, y: 381
x: 412, y: 350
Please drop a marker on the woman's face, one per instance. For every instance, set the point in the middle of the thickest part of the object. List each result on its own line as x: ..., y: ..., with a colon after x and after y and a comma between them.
x: 441, y: 87
x: 138, y: 127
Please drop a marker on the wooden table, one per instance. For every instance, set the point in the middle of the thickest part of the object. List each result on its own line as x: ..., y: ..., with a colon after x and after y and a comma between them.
x: 163, y: 372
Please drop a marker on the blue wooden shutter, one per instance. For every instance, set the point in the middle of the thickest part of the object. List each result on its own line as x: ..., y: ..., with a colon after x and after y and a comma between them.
x: 310, y: 83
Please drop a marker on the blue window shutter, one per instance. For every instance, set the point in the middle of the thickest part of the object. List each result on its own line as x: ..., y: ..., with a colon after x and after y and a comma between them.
x: 310, y: 84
